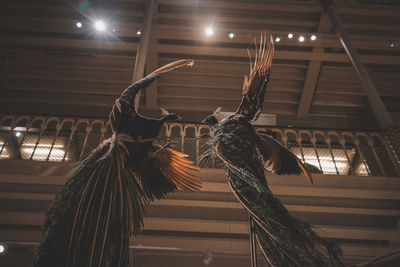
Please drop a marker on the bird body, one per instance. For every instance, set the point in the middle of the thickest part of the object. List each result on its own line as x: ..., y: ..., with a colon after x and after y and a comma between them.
x: 245, y: 154
x: 103, y: 202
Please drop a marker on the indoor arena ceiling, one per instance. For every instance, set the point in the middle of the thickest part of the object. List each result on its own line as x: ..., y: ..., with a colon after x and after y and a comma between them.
x: 49, y: 66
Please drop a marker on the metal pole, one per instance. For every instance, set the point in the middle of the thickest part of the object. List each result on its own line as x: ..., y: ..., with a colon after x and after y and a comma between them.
x: 253, y: 247
x: 142, y: 48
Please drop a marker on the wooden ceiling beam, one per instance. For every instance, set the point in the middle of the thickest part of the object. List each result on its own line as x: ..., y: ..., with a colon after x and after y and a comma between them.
x: 214, y: 226
x: 313, y: 72
x: 375, y: 103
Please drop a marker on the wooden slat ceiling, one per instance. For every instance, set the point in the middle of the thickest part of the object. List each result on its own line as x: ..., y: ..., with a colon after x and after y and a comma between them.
x: 48, y: 66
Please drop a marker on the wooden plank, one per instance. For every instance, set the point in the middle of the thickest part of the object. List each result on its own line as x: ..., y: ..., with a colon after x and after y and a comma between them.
x: 378, y: 108
x: 216, y: 226
x: 313, y: 72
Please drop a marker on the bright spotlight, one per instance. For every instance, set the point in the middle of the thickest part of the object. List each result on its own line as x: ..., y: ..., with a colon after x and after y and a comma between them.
x: 17, y: 134
x: 277, y: 39
x: 2, y: 249
x: 99, y: 25
x: 301, y: 38
x: 391, y: 44
x: 290, y: 35
x: 209, y: 31
x: 313, y: 37
x: 139, y: 32
x: 79, y: 24
x: 231, y: 35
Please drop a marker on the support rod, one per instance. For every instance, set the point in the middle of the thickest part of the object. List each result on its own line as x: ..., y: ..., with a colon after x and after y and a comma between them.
x: 253, y: 247
x: 141, y: 52
x: 374, y: 100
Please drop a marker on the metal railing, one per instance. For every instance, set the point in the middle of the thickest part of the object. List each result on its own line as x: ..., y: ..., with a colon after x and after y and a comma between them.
x: 72, y: 139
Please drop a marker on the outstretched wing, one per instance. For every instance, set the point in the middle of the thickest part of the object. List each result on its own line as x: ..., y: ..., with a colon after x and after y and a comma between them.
x: 280, y: 160
x: 166, y: 169
x: 255, y: 85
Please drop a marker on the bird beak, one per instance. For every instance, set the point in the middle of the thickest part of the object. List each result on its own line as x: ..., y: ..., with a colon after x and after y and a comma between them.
x: 174, y: 65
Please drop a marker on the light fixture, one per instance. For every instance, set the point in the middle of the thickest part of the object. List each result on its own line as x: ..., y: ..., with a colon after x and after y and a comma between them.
x: 100, y: 25
x: 301, y: 38
x: 79, y: 24
x: 277, y: 39
x: 313, y: 37
x: 391, y: 44
x: 290, y: 35
x: 3, y: 248
x: 139, y: 32
x: 17, y: 134
x: 231, y: 35
x: 209, y: 31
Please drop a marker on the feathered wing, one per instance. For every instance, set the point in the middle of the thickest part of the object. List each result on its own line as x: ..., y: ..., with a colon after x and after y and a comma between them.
x: 165, y: 170
x: 255, y: 85
x: 281, y: 160
x: 104, y: 201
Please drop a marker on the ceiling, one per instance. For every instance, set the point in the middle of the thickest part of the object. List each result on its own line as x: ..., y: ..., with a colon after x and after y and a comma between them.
x: 48, y: 66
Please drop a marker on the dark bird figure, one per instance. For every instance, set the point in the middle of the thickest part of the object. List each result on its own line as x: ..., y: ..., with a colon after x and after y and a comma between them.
x: 89, y: 222
x: 245, y: 154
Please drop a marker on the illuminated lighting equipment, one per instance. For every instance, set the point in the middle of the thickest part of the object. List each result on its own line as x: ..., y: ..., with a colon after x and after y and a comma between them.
x: 391, y: 44
x: 301, y: 38
x: 100, y: 25
x: 277, y: 39
x: 231, y: 35
x: 290, y: 35
x: 209, y: 31
x: 17, y: 134
x: 3, y: 248
x: 313, y: 37
x: 79, y: 24
x: 139, y: 32
x: 114, y: 29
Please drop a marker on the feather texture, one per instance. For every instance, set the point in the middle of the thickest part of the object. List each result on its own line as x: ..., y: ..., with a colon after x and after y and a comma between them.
x: 284, y: 240
x: 104, y: 201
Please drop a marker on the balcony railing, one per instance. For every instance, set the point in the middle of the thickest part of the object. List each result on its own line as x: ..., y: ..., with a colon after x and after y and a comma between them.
x: 72, y: 139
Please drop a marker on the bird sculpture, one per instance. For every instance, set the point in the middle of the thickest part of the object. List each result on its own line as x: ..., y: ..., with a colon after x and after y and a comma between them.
x: 245, y: 154
x: 103, y: 202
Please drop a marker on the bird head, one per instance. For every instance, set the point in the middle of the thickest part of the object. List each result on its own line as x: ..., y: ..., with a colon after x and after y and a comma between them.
x: 167, y: 116
x: 172, y: 117
x: 212, y: 119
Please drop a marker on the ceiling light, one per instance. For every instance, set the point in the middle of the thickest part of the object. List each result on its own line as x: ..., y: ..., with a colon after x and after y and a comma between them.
x: 391, y: 44
x: 139, y: 32
x: 290, y: 35
x: 313, y: 37
x: 17, y: 134
x: 3, y: 249
x: 79, y: 24
x: 231, y: 35
x: 209, y: 31
x: 277, y: 39
x: 301, y: 38
x: 99, y: 25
